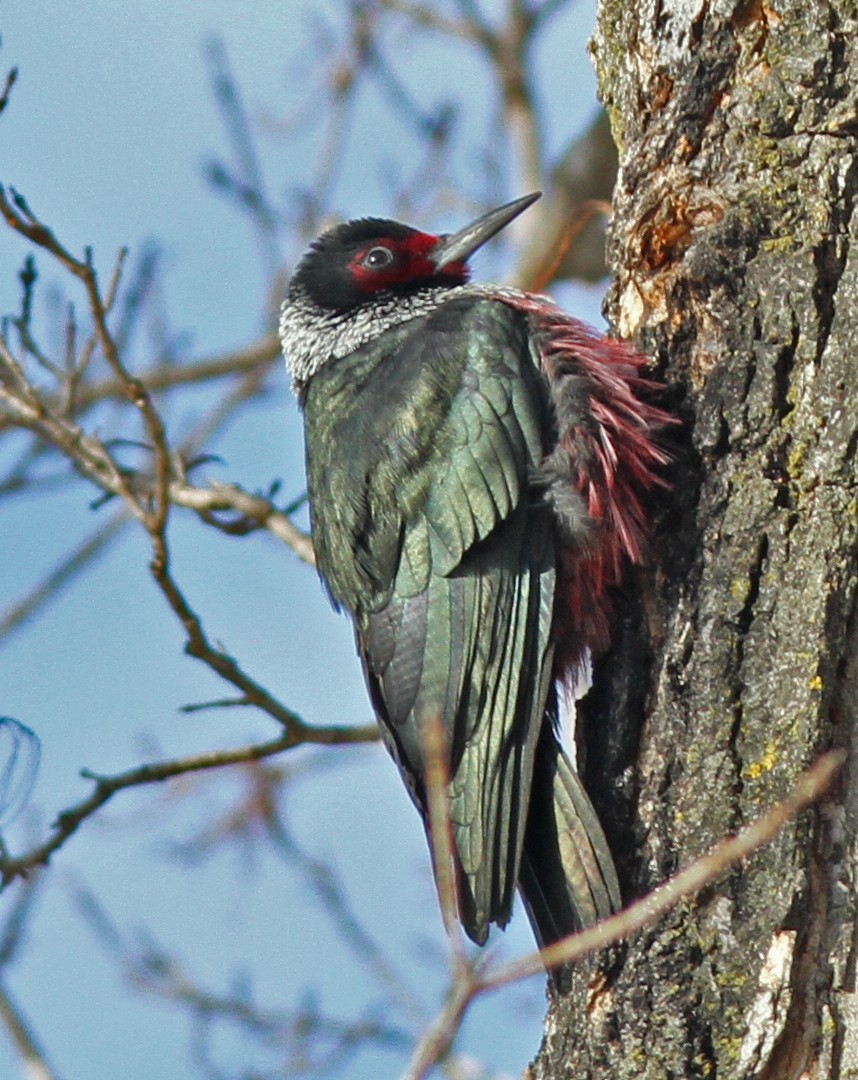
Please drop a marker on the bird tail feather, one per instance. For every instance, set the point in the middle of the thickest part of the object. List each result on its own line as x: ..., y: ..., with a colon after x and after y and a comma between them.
x: 567, y: 877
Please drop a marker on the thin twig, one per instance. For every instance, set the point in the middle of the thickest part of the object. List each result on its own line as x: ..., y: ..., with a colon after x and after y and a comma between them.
x: 332, y: 896
x: 7, y: 88
x: 21, y: 219
x: 16, y: 922
x: 247, y: 185
x: 437, y: 1041
x: 148, y: 499
x: 429, y: 18
x: 105, y: 787
x: 304, y: 1034
x: 167, y: 376
x: 199, y: 646
x: 24, y: 1038
x: 94, y: 461
x: 219, y: 497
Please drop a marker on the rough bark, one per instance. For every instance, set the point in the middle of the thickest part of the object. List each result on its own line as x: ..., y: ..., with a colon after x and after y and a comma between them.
x: 736, y: 661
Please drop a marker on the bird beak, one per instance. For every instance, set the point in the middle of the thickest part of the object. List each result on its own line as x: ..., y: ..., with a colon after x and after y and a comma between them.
x: 461, y: 245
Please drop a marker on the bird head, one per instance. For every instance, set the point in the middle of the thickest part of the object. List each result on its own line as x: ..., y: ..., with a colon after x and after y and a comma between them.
x: 356, y: 262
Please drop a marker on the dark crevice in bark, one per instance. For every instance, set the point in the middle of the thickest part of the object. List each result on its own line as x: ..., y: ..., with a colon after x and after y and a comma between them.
x: 749, y: 375
x: 845, y: 728
x: 737, y: 688
x: 609, y: 726
x: 852, y: 448
x: 721, y: 447
x: 783, y: 370
x: 829, y: 266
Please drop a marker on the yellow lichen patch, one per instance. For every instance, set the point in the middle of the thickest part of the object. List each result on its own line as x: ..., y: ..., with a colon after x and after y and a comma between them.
x: 704, y: 1065
x: 829, y: 1026
x: 765, y: 764
x: 816, y: 683
x: 795, y: 460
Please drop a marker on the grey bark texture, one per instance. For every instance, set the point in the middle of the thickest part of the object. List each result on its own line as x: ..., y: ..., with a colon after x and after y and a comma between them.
x: 735, y: 660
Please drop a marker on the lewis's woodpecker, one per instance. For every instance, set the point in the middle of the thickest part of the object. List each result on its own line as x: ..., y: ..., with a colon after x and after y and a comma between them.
x: 477, y: 463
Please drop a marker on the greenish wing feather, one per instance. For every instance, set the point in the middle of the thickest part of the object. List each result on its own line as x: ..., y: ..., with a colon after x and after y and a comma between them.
x: 419, y: 453
x: 418, y: 444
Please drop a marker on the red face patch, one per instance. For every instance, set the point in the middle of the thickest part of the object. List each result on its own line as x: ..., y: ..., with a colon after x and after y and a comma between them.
x: 387, y: 263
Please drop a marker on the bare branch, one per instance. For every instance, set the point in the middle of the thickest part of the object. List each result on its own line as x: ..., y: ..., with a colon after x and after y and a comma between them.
x: 257, y: 354
x: 426, y: 17
x: 254, y: 508
x: 22, y: 220
x: 472, y: 12
x: 310, y: 1041
x: 343, y: 82
x: 105, y: 787
x: 147, y: 497
x: 198, y: 646
x: 542, y: 13
x: 246, y: 186
x: 17, y: 919
x: 88, y: 453
x: 12, y: 1016
x: 437, y: 1040
x: 567, y: 239
x: 95, y: 462
x: 332, y: 895
x: 521, y: 114
x: 7, y: 88
x: 24, y: 1038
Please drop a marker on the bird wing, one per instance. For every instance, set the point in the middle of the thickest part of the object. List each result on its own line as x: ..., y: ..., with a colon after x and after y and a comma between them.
x: 420, y: 448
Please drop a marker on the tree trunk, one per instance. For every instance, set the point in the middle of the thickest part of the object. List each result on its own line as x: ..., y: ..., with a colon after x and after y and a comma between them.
x: 735, y: 660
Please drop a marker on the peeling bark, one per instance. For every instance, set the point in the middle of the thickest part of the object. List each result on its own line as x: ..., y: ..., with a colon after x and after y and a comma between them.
x: 736, y: 661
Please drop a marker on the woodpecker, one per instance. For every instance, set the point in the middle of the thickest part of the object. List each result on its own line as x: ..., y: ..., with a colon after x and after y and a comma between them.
x: 477, y: 466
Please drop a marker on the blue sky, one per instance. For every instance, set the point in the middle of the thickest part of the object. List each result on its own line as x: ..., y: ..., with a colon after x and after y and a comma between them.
x: 106, y: 135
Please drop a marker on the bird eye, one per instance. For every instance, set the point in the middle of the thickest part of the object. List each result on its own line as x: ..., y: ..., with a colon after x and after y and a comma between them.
x: 377, y: 258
